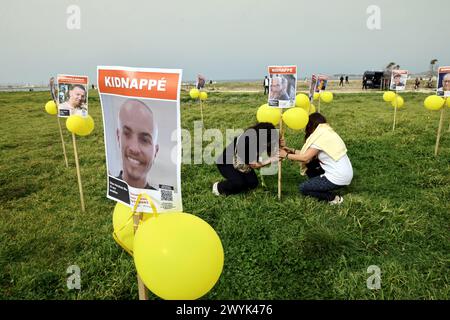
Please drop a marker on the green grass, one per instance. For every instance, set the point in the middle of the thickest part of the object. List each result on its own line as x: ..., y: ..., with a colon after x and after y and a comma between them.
x: 395, y: 215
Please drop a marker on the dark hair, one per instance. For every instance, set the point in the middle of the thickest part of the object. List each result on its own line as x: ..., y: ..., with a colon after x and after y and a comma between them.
x: 265, y: 130
x: 314, y: 120
x: 78, y: 86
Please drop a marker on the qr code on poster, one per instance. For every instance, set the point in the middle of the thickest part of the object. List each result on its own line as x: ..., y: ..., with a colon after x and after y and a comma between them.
x: 166, y: 195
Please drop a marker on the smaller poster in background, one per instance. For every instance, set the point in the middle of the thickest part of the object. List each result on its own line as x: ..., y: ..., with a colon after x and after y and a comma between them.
x: 72, y: 95
x: 398, y: 80
x: 443, y: 85
x: 322, y: 82
x: 283, y: 86
x: 312, y: 87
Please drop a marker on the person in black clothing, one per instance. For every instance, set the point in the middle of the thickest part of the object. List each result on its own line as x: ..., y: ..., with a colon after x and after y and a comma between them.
x: 239, y: 159
x: 266, y: 85
x: 341, y: 82
x: 364, y: 83
x: 346, y: 79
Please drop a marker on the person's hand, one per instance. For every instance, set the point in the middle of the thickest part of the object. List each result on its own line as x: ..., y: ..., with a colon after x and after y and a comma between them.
x: 282, y: 154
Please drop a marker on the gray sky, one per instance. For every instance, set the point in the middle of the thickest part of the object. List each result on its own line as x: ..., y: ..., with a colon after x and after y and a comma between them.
x: 233, y: 39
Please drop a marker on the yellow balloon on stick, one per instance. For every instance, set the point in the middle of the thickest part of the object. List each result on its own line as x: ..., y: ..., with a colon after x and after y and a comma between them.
x: 74, y: 123
x: 203, y: 96
x: 398, y: 102
x: 302, y: 101
x: 296, y: 118
x: 316, y: 96
x: 268, y: 114
x: 326, y: 96
x: 194, y: 93
x: 389, y: 96
x: 50, y: 107
x: 87, y: 127
x: 123, y: 226
x: 178, y: 256
x: 434, y: 102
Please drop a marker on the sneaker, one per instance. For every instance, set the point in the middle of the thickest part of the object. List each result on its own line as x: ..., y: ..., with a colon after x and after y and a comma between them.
x: 215, y: 190
x: 337, y: 200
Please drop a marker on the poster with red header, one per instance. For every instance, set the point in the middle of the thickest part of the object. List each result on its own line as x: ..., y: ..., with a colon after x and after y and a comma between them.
x: 443, y: 82
x: 282, y: 86
x: 141, y: 119
x: 72, y: 95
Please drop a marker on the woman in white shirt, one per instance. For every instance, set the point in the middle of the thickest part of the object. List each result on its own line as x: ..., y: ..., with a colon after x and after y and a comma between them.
x: 324, y: 156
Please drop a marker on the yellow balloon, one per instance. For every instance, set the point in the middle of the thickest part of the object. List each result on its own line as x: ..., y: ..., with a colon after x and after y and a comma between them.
x: 316, y: 96
x: 203, y: 96
x: 398, y: 102
x: 87, y: 127
x: 178, y: 256
x: 50, y: 107
x: 434, y: 102
x: 389, y: 96
x: 123, y: 226
x: 75, y: 123
x: 194, y: 93
x: 268, y: 114
x: 326, y: 96
x: 296, y: 118
x: 302, y: 101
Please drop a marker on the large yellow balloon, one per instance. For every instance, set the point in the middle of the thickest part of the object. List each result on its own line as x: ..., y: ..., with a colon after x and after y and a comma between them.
x: 434, y: 102
x: 316, y: 96
x: 296, y: 118
x: 123, y: 226
x: 302, y: 101
x: 398, y: 102
x: 194, y: 93
x: 50, y: 107
x: 389, y: 96
x: 178, y: 256
x: 87, y: 127
x: 326, y: 96
x: 75, y: 123
x: 203, y: 96
x: 268, y: 114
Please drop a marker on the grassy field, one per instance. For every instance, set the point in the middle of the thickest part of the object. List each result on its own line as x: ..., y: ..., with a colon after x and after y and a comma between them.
x: 396, y: 213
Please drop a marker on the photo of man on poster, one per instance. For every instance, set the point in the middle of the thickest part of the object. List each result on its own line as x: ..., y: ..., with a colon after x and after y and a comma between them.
x: 74, y: 102
x: 444, y: 85
x: 137, y: 138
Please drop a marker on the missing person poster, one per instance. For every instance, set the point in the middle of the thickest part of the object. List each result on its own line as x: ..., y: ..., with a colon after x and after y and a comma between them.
x: 283, y: 86
x: 141, y: 118
x: 398, y: 80
x: 312, y: 87
x: 72, y: 95
x: 443, y: 85
x: 322, y: 82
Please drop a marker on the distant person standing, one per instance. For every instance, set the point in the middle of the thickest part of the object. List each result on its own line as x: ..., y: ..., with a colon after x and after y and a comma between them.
x: 364, y: 83
x: 346, y: 79
x: 341, y: 82
x: 266, y: 85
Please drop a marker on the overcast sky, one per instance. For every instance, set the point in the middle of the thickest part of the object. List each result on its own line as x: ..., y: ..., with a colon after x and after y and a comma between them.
x: 232, y: 39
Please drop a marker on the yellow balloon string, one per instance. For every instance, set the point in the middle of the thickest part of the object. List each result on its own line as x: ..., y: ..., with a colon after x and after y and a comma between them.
x: 133, y: 212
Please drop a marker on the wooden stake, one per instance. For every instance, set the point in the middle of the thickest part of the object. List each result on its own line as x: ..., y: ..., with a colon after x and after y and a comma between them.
x: 441, y: 121
x: 80, y: 187
x: 201, y: 109
x: 279, y: 161
x: 62, y: 142
x: 143, y: 293
x: 395, y: 111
